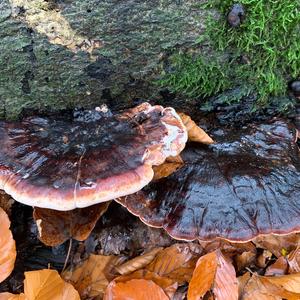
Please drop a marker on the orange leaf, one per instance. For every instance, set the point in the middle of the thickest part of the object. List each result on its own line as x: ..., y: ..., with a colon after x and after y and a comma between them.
x: 135, y: 289
x: 176, y: 262
x: 92, y: 277
x: 9, y: 296
x: 165, y: 169
x: 55, y: 227
x: 214, y: 272
x: 137, y: 262
x: 272, y: 288
x: 7, y: 247
x: 168, y: 285
x: 46, y: 285
x: 195, y: 133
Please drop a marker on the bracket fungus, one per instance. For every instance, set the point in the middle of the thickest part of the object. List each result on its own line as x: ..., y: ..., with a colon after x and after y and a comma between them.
x: 64, y: 164
x: 245, y: 185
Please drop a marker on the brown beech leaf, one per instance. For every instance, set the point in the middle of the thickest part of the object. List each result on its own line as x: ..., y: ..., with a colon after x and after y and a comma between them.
x: 55, y: 227
x: 280, y: 267
x: 140, y: 289
x: 245, y: 259
x: 275, y: 287
x: 46, y: 285
x: 289, y: 282
x: 92, y: 277
x: 166, y: 169
x: 176, y: 262
x: 6, y: 202
x: 7, y: 247
x: 293, y: 260
x: 243, y: 280
x: 195, y: 133
x: 278, y: 245
x: 138, y: 262
x: 216, y: 273
x: 230, y: 249
x: 9, y: 296
x: 263, y: 259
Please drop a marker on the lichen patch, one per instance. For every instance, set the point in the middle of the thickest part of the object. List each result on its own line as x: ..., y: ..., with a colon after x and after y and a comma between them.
x: 43, y: 18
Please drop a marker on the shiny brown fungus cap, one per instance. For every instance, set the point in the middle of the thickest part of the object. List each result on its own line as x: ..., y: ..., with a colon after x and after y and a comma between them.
x: 63, y: 164
x: 245, y: 185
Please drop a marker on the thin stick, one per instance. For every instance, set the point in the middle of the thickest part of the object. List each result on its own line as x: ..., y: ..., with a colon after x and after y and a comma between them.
x: 68, y: 255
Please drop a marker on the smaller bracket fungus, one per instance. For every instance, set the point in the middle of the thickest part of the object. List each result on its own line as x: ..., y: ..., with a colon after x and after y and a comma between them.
x: 245, y: 185
x: 64, y: 164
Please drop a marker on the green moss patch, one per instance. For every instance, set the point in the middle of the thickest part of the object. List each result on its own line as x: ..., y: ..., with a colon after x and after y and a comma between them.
x: 261, y: 54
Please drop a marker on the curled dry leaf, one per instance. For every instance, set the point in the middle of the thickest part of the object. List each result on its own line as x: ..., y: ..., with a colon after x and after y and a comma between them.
x: 138, y: 262
x: 55, y: 227
x: 7, y: 247
x: 93, y: 276
x: 263, y: 259
x: 293, y: 260
x: 245, y: 259
x: 195, y: 133
x: 214, y: 273
x: 272, y: 288
x: 278, y: 245
x: 176, y: 262
x: 6, y: 202
x: 140, y: 289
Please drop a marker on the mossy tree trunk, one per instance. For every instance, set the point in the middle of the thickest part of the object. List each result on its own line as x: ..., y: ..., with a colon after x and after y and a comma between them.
x: 65, y: 53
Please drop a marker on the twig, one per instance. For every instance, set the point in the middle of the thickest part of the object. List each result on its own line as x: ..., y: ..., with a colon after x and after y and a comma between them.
x: 68, y: 255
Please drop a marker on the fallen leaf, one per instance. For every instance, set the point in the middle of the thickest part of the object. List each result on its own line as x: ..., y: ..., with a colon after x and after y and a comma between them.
x: 138, y: 262
x: 174, y: 159
x: 7, y: 247
x: 293, y: 260
x: 93, y: 276
x: 275, y: 287
x: 289, y: 282
x: 263, y: 259
x: 195, y: 133
x: 165, y: 169
x: 55, y: 227
x: 9, y: 296
x: 280, y: 267
x: 139, y: 289
x: 255, y: 290
x: 243, y: 280
x: 168, y: 285
x: 176, y: 262
x: 213, y: 272
x: 245, y: 259
x: 278, y: 245
x: 46, y: 285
